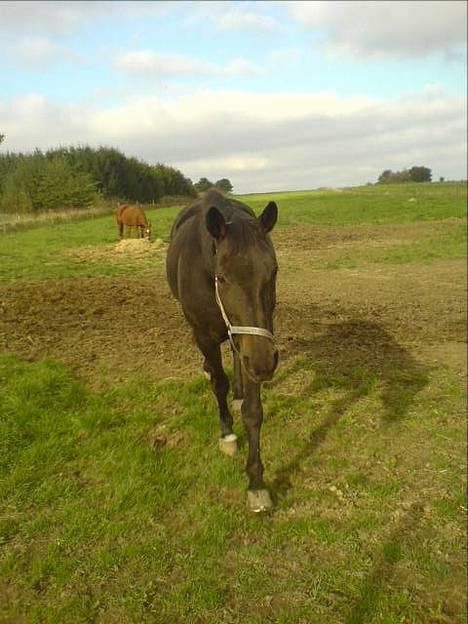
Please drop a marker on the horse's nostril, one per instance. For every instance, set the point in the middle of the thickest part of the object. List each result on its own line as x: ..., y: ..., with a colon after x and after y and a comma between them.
x: 261, y: 370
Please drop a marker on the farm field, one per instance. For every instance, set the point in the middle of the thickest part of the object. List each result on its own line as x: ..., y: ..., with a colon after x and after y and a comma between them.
x: 115, y: 503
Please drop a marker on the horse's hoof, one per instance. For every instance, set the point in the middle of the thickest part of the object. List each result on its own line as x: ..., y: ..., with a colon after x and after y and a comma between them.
x: 258, y: 501
x: 237, y: 405
x: 228, y: 444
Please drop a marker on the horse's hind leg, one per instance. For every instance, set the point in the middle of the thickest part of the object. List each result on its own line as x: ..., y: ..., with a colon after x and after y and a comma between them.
x: 213, y: 366
x: 237, y: 385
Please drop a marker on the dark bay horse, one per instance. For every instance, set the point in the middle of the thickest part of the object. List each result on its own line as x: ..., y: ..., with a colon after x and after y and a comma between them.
x: 132, y: 217
x: 221, y: 266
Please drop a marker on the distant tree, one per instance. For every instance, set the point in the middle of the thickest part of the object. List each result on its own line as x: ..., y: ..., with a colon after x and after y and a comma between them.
x: 224, y: 185
x: 441, y: 179
x: 420, y: 174
x: 203, y: 184
x: 385, y: 176
x: 415, y: 174
x: 2, y: 138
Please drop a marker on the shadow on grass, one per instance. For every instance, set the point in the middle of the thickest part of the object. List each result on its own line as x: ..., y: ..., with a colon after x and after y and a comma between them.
x: 391, y: 552
x: 352, y: 357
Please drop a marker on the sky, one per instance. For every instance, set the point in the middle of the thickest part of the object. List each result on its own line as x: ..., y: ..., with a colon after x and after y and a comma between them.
x: 271, y: 95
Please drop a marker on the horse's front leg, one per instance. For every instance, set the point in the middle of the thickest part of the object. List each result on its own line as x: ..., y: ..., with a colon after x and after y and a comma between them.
x: 213, y: 366
x: 237, y: 384
x: 258, y: 497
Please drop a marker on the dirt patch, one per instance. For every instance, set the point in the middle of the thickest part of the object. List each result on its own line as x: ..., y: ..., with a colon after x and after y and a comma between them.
x: 111, y: 328
x: 117, y: 326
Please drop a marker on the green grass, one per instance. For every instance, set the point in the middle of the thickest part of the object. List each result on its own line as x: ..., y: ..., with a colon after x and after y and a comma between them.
x: 97, y: 525
x: 117, y: 506
x: 405, y: 203
x: 40, y: 253
x: 448, y: 242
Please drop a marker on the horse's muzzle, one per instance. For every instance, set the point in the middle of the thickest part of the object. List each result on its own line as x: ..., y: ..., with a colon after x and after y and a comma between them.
x: 260, y: 368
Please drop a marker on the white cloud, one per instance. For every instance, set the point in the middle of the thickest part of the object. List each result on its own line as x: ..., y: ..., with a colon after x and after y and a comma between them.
x: 238, y: 19
x: 383, y: 28
x: 152, y: 63
x: 261, y: 142
x: 35, y: 51
x: 65, y: 17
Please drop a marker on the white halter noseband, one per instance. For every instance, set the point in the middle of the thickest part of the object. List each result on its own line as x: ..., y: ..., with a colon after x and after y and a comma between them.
x: 239, y: 329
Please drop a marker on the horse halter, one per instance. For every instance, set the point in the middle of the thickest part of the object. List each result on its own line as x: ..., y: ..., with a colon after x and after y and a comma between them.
x: 239, y: 329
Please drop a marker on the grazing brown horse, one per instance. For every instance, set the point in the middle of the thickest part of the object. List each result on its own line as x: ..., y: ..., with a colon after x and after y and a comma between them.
x: 221, y: 266
x: 132, y: 217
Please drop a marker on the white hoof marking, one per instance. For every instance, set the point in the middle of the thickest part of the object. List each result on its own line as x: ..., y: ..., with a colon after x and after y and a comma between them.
x: 259, y: 500
x: 228, y: 444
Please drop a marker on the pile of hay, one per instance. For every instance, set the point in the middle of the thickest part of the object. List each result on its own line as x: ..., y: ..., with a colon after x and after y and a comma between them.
x: 132, y: 248
x: 137, y: 246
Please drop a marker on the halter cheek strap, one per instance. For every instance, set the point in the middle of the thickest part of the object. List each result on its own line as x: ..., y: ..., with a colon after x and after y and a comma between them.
x: 239, y: 329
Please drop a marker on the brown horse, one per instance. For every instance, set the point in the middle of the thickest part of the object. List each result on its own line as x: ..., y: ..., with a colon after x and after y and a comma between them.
x: 221, y: 266
x: 132, y: 217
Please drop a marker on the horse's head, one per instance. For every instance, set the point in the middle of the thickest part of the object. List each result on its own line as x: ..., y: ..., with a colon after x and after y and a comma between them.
x: 245, y: 267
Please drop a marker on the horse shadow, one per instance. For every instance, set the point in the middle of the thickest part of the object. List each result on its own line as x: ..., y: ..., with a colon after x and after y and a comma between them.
x: 375, y: 584
x: 353, y: 357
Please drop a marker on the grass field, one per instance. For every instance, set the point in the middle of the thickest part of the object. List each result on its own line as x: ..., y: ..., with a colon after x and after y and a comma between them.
x: 115, y: 503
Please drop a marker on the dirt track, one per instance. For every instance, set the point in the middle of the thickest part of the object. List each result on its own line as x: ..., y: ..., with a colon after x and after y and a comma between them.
x: 120, y: 326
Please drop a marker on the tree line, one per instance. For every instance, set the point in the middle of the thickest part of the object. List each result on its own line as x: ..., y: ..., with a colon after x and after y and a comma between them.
x: 75, y: 177
x: 414, y: 174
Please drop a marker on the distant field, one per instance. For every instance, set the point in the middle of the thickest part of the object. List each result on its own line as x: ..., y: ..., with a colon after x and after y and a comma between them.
x: 405, y: 203
x: 37, y: 253
x: 115, y: 503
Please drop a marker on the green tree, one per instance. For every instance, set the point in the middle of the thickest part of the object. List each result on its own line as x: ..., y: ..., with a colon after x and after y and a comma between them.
x: 34, y: 177
x: 38, y: 184
x: 224, y: 185
x: 415, y: 174
x: 420, y: 174
x: 203, y: 184
x: 385, y: 176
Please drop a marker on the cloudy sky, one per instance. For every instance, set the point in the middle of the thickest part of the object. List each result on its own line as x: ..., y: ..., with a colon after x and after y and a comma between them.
x: 272, y: 95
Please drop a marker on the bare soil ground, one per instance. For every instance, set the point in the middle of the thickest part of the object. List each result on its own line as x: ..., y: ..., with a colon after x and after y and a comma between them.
x: 378, y: 313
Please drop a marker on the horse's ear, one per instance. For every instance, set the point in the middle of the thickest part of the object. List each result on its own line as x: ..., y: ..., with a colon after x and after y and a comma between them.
x: 268, y: 217
x: 216, y: 224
